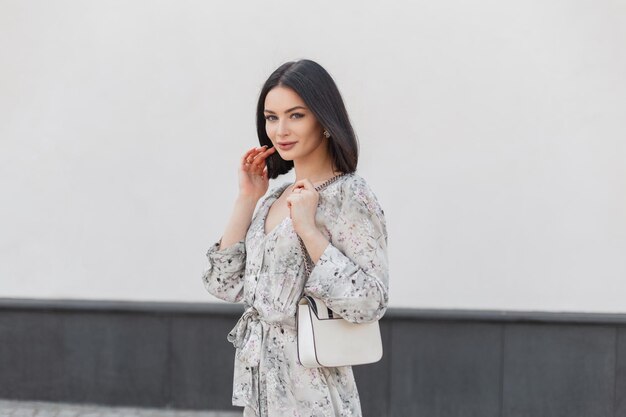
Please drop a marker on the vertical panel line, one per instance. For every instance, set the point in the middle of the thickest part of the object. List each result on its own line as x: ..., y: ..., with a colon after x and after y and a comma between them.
x: 389, y: 366
x: 502, y: 362
x: 170, y: 363
x: 615, y: 374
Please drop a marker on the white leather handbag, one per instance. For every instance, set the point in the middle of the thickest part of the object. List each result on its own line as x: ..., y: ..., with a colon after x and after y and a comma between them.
x: 325, y: 339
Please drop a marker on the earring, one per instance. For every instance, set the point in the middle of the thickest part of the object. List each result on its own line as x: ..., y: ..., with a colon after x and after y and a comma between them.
x: 326, y: 134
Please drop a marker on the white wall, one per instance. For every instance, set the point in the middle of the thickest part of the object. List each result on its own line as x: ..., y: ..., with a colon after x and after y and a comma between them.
x: 492, y: 133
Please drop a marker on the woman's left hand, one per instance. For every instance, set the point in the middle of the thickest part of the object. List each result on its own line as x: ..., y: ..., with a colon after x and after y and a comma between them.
x: 302, y: 203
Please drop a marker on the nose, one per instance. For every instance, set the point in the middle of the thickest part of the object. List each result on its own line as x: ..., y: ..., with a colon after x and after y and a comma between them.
x: 282, y: 128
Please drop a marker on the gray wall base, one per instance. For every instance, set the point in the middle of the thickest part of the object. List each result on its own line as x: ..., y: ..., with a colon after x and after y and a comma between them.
x: 435, y: 363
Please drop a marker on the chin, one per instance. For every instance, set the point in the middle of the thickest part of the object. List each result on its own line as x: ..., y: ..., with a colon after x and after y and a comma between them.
x: 286, y: 156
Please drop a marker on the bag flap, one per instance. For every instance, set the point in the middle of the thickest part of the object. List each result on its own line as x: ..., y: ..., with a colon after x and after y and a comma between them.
x: 319, y: 308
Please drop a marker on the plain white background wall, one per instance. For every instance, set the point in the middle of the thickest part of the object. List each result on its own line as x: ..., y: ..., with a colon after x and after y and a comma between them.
x: 491, y: 132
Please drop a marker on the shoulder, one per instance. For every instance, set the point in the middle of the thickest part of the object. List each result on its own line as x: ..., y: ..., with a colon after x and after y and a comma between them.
x: 275, y: 191
x: 360, y: 210
x: 356, y: 190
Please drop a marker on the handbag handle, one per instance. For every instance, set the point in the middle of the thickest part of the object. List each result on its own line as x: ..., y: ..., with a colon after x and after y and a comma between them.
x: 307, y: 258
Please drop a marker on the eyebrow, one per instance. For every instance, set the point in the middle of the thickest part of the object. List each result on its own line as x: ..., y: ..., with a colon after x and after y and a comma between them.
x: 286, y: 111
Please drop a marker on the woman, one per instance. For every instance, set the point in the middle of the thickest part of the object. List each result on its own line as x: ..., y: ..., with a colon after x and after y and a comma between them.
x: 302, y: 123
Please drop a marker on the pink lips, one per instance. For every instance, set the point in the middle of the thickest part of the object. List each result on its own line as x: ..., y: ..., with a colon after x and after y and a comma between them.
x: 286, y: 146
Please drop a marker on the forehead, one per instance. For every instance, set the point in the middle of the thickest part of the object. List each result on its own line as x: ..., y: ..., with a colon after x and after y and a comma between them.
x: 280, y: 97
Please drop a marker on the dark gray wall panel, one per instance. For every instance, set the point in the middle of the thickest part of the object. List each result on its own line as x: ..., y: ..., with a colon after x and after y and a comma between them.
x: 559, y: 371
x: 373, y: 380
x: 445, y: 369
x: 32, y: 363
x: 435, y: 363
x: 620, y: 383
x: 116, y: 358
x: 202, y: 362
x: 88, y: 357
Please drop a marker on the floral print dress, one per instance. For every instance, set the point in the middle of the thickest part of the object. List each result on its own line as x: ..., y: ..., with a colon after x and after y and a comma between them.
x: 266, y: 273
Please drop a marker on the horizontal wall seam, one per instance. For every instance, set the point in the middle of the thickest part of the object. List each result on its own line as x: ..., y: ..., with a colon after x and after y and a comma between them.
x: 152, y: 307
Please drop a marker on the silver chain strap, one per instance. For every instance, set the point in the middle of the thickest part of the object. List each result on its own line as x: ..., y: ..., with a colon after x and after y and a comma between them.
x: 307, y: 258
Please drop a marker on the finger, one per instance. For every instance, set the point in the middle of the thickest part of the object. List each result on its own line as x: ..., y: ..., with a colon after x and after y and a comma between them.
x: 308, y: 185
x: 259, y: 168
x: 270, y: 150
x: 250, y: 155
x: 290, y: 201
x: 247, y: 154
x: 305, y: 184
x: 254, y: 149
x: 263, y: 153
x: 260, y: 149
x: 259, y: 160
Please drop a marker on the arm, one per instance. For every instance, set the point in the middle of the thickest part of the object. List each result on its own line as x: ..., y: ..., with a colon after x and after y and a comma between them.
x: 226, y: 258
x: 351, y: 276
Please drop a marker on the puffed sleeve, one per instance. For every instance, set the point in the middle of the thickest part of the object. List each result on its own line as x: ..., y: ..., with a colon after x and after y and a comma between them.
x: 224, y: 274
x: 352, y: 275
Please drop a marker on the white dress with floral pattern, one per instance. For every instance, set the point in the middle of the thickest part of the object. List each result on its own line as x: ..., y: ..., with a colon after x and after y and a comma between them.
x: 267, y: 274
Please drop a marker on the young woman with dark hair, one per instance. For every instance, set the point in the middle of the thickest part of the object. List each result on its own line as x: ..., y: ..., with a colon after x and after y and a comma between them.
x: 302, y: 123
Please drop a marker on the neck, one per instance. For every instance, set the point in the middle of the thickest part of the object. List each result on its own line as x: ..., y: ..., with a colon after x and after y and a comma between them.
x: 316, y: 169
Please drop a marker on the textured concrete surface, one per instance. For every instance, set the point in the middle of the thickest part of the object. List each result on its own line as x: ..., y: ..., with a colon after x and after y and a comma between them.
x: 51, y: 409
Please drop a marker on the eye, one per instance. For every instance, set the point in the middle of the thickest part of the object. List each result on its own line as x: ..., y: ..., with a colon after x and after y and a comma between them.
x: 293, y: 116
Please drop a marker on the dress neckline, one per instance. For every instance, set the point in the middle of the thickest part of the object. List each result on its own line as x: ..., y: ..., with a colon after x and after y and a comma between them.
x: 272, y: 198
x: 275, y: 195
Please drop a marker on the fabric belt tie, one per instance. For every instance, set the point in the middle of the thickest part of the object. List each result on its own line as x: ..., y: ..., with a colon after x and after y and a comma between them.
x: 247, y: 337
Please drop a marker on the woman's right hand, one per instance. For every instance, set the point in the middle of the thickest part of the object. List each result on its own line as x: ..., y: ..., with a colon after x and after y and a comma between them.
x: 253, y: 180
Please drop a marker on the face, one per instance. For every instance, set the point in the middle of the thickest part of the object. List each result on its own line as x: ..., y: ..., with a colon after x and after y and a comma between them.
x: 288, y: 119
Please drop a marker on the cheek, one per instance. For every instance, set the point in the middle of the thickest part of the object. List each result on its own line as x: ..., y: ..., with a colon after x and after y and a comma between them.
x: 308, y: 128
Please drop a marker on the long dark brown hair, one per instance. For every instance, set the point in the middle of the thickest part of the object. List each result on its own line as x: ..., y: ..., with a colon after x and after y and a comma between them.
x: 320, y: 93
